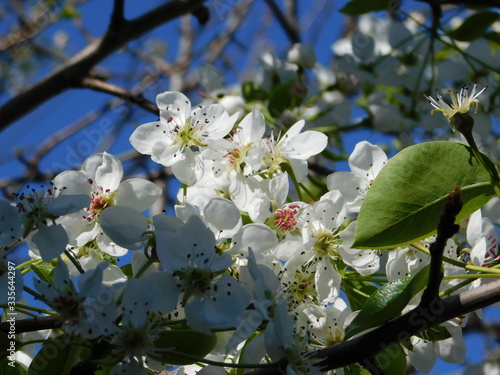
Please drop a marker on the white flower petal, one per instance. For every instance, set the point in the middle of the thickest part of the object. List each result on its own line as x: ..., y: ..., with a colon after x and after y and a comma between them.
x: 278, y: 187
x: 304, y: 145
x: 352, y: 187
x: 145, y: 136
x: 173, y: 104
x: 125, y: 226
x: 328, y: 281
x: 72, y: 183
x: 10, y: 222
x: 367, y: 160
x: 189, y: 169
x: 259, y: 237
x: 104, y: 169
x: 222, y: 217
x: 138, y: 193
x: 108, y: 246
x: 67, y: 204
x: 49, y: 241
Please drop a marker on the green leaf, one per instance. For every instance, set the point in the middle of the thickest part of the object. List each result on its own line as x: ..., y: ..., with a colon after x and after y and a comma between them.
x: 127, y: 270
x: 474, y: 27
x: 44, y: 271
x: 405, y: 201
x: 188, y: 346
x: 392, y: 360
x: 280, y: 98
x: 58, y: 356
x: 253, y: 92
x: 493, y: 36
x: 358, y: 292
x: 356, y: 7
x: 8, y: 367
x: 387, y: 302
x: 356, y: 369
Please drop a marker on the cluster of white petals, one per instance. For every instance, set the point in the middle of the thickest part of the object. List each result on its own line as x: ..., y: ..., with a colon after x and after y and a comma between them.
x: 246, y: 260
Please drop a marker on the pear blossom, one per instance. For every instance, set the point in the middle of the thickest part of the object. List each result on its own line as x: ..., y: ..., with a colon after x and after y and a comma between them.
x: 302, y: 55
x: 103, y: 184
x: 366, y: 162
x: 325, y: 241
x: 326, y: 323
x: 89, y: 311
x: 404, y: 262
x: 461, y: 102
x: 39, y: 212
x: 282, y: 340
x: 144, y: 305
x: 210, y: 297
x: 425, y: 351
x: 483, y: 238
x: 293, y: 148
x: 267, y: 292
x: 181, y: 131
x: 244, y: 156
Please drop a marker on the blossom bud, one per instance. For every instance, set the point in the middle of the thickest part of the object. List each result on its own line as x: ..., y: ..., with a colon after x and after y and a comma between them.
x: 302, y: 55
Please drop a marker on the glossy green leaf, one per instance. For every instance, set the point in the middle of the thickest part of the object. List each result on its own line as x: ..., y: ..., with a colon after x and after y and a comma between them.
x: 58, y: 356
x: 475, y: 26
x: 358, y: 292
x: 45, y: 272
x: 188, y: 346
x: 356, y: 7
x: 387, y: 302
x: 405, y: 201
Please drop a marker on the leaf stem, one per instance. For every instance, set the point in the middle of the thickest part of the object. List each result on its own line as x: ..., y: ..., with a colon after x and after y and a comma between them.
x: 457, y: 263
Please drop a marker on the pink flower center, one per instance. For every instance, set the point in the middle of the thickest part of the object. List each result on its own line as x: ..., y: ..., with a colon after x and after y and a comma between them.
x: 285, y: 218
x: 233, y: 156
x: 98, y: 202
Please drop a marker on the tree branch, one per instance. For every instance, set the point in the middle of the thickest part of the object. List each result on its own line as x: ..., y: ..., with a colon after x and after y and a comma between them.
x: 401, y: 329
x: 290, y: 29
x: 70, y: 74
x: 446, y: 228
x: 120, y: 92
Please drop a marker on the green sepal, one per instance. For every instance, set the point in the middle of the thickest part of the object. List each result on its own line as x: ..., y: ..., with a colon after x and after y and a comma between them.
x: 45, y: 272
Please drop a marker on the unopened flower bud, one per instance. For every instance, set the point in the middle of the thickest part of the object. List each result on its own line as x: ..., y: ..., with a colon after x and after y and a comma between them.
x: 302, y: 55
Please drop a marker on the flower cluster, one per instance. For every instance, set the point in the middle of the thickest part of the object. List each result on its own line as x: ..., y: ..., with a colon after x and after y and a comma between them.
x: 252, y: 259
